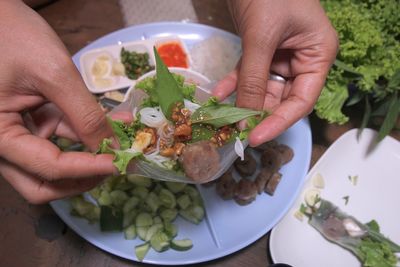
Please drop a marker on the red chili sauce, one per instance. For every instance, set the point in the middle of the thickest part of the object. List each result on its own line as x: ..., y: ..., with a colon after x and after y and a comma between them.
x: 173, y: 55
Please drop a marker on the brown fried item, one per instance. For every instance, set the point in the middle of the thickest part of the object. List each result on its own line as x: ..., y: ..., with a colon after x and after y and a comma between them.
x: 286, y: 152
x: 272, y: 184
x: 262, y: 179
x: 269, y: 144
x: 247, y: 166
x: 245, y: 192
x: 200, y: 160
x: 271, y: 158
x: 226, y: 186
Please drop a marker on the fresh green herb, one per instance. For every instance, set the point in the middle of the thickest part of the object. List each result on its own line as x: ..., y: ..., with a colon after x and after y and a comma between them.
x: 167, y: 89
x: 136, y: 64
x: 303, y: 208
x: 221, y: 114
x: 391, y: 117
x: 346, y: 199
x: 368, y: 62
x: 125, y: 134
x: 202, y: 132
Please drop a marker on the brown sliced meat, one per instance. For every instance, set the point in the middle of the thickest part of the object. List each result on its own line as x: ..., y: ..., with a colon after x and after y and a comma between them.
x: 246, y: 192
x: 272, y: 184
x: 262, y: 179
x: 200, y: 160
x: 226, y: 186
x: 271, y: 158
x: 247, y: 166
x: 286, y: 152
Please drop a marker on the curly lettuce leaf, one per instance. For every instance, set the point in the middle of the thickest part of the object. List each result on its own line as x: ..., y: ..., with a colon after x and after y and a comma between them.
x: 330, y: 103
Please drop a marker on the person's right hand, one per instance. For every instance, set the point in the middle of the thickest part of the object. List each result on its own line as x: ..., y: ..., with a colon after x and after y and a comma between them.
x: 42, y: 93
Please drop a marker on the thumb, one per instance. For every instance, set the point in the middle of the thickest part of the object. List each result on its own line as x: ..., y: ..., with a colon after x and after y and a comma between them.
x: 68, y: 91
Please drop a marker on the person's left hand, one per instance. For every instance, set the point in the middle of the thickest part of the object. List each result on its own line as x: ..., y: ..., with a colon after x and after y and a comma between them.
x: 292, y: 38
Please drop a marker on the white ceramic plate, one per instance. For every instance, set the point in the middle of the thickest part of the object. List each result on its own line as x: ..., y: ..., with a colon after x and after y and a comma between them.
x: 228, y: 227
x: 375, y: 196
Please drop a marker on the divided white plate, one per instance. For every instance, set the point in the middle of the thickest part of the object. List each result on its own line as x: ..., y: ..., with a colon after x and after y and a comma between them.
x: 375, y: 196
x: 88, y: 58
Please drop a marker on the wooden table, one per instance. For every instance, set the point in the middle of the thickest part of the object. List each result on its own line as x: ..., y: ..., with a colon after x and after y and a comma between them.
x: 32, y: 235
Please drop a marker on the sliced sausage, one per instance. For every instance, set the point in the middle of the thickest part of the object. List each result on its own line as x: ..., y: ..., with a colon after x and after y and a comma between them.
x: 246, y: 192
x: 272, y: 184
x: 200, y: 160
x: 286, y: 152
x: 271, y: 158
x: 247, y: 166
x: 226, y: 186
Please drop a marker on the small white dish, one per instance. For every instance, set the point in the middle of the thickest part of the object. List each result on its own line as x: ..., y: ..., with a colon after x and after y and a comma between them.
x: 110, y: 81
x: 374, y: 196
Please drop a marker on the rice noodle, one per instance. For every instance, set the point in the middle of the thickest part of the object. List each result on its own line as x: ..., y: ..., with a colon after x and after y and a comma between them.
x: 239, y: 149
x: 152, y: 117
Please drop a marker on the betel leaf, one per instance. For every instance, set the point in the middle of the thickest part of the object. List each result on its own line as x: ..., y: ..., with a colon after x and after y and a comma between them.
x: 221, y: 115
x: 366, y: 117
x: 167, y: 89
x: 390, y: 118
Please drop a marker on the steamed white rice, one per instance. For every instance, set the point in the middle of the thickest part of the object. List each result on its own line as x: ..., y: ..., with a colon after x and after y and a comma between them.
x: 215, y: 57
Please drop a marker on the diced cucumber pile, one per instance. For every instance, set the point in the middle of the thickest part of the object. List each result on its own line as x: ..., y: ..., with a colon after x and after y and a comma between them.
x: 143, y: 208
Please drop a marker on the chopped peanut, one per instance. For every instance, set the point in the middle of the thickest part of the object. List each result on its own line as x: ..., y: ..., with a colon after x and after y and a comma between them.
x: 168, y: 152
x: 178, y: 148
x: 183, y: 130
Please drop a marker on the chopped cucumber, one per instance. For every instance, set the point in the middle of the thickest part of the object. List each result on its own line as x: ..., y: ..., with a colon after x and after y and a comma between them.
x: 118, y: 198
x: 181, y: 245
x: 104, y: 199
x: 139, y: 180
x: 193, y: 213
x: 129, y: 218
x: 140, y: 192
x: 141, y: 250
x: 157, y: 219
x: 85, y: 209
x: 160, y: 241
x: 184, y: 201
x: 142, y: 232
x: 153, y: 202
x: 171, y: 229
x: 130, y: 232
x: 144, y: 219
x: 175, y: 187
x: 168, y: 215
x: 167, y: 199
x: 130, y: 204
x: 110, y: 219
x: 194, y: 194
x: 152, y: 230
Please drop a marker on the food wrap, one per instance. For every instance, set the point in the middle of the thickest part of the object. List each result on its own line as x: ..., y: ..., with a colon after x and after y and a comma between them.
x: 143, y: 168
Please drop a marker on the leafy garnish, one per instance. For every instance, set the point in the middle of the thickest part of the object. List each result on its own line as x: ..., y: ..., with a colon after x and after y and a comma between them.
x: 168, y: 92
x: 221, y: 115
x: 390, y: 119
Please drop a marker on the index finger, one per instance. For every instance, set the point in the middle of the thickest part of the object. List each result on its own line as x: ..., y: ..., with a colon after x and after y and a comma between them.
x: 300, y: 102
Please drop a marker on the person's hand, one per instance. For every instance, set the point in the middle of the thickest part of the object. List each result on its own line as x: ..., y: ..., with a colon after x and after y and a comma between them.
x: 292, y: 38
x: 41, y: 94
